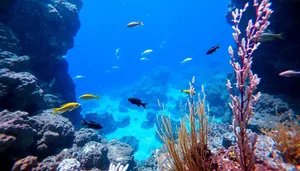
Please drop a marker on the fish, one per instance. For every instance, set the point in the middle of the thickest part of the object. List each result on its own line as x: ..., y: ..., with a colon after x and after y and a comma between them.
x: 68, y: 107
x: 91, y: 124
x: 186, y: 60
x: 89, y: 97
x: 186, y: 91
x: 117, y: 51
x: 290, y: 73
x: 269, y: 37
x: 144, y: 59
x: 78, y: 76
x: 115, y: 67
x: 61, y: 57
x: 212, y: 49
x: 134, y: 24
x: 137, y: 102
x: 146, y: 52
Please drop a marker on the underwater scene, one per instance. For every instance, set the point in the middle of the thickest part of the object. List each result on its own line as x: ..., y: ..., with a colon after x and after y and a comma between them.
x: 130, y: 85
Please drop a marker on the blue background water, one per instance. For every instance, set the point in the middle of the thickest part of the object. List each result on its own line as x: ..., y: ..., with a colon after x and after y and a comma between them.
x: 174, y: 30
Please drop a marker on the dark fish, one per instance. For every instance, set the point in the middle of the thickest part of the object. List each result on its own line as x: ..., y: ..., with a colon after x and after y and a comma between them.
x: 92, y: 124
x: 137, y: 102
x: 212, y: 49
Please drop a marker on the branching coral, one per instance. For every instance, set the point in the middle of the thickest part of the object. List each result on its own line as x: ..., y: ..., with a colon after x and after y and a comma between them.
x: 190, y: 152
x: 286, y: 134
x: 119, y: 167
x: 246, y: 81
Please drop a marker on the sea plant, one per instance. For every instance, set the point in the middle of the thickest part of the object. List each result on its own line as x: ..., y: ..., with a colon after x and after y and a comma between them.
x: 190, y: 151
x: 286, y: 134
x: 246, y: 82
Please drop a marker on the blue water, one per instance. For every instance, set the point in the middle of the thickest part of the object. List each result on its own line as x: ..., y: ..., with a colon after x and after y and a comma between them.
x: 174, y: 30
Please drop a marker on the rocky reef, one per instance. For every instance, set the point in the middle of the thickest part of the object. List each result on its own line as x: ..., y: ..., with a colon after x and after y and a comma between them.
x: 35, y: 34
x: 34, y: 78
x: 277, y: 56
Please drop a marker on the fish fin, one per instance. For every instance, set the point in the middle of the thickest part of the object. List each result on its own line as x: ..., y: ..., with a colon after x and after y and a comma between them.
x: 141, y: 23
x: 144, y: 105
x: 55, y: 111
x: 280, y: 36
x: 83, y: 122
x: 138, y: 105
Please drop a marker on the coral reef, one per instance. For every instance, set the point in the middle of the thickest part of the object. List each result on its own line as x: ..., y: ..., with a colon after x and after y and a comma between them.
x: 40, y: 135
x: 25, y: 164
x: 54, y: 132
x: 93, y: 154
x: 84, y: 136
x: 34, y: 34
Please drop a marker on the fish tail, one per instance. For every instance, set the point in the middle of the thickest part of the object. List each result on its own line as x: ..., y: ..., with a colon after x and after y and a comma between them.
x: 181, y: 90
x: 144, y: 105
x: 98, y: 97
x: 218, y: 45
x: 55, y: 110
x: 141, y: 23
x: 280, y: 36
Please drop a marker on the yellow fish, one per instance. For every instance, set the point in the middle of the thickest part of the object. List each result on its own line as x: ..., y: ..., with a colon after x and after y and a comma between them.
x: 68, y: 107
x: 186, y: 91
x: 89, y: 97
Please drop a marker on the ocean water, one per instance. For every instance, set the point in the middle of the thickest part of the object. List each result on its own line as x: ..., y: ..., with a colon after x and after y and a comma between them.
x: 174, y: 30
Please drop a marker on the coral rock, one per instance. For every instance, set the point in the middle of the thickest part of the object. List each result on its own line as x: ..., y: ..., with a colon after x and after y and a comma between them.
x: 120, y: 153
x: 5, y: 142
x: 55, y: 132
x: 84, y: 136
x: 25, y: 164
x: 69, y: 165
x: 93, y: 154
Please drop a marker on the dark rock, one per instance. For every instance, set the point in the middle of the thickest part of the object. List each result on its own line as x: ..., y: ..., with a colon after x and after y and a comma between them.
x: 265, y: 112
x: 52, y: 101
x: 94, y: 154
x: 123, y: 121
x: 85, y: 135
x: 149, y: 164
x: 23, y: 91
x: 106, y: 120
x: 228, y: 140
x: 55, y: 132
x: 15, y: 124
x: 9, y: 40
x: 78, y: 3
x: 5, y: 142
x: 21, y: 137
x: 27, y: 163
x: 131, y: 140
x: 13, y: 62
x: 48, y: 26
x: 121, y: 153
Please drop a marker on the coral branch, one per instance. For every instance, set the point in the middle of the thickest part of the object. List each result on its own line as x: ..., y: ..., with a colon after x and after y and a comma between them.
x: 246, y: 82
